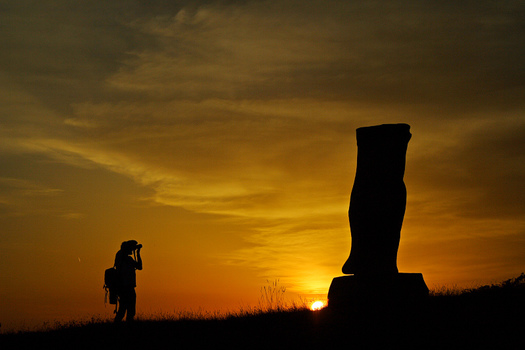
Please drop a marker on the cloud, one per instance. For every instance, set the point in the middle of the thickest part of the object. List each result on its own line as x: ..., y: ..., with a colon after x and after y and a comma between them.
x: 404, y: 53
x: 475, y: 166
x: 234, y: 162
x: 19, y: 197
x: 295, y: 251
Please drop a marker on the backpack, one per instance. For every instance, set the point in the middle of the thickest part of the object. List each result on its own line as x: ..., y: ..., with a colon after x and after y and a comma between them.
x: 110, y: 285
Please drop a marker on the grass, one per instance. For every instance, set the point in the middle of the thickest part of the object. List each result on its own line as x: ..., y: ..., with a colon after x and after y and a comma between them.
x: 478, y: 318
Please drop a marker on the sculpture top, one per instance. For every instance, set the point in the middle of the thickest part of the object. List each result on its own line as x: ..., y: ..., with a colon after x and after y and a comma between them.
x: 384, y: 133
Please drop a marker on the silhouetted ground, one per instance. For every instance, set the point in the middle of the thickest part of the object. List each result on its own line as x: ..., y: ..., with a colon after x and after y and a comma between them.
x: 487, y: 317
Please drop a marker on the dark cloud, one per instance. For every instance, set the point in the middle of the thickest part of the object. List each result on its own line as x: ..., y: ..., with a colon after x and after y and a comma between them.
x: 404, y: 53
x: 480, y: 167
x: 495, y: 161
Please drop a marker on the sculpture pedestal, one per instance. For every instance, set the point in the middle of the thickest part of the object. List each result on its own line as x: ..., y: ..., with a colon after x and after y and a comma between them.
x: 376, y: 291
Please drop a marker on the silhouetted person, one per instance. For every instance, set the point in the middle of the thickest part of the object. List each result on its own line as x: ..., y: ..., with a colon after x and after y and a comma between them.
x: 126, y: 266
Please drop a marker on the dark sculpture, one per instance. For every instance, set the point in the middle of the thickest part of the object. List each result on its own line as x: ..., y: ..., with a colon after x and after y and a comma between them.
x: 377, y: 208
x: 378, y: 200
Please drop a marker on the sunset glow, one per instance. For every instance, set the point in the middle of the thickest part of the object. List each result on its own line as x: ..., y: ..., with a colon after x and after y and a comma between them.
x: 221, y: 136
x: 317, y: 305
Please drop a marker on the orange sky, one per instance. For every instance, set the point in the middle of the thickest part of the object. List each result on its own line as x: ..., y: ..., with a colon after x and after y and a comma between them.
x: 221, y: 136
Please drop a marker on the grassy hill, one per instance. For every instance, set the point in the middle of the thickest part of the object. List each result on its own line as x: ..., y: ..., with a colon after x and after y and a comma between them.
x: 486, y: 317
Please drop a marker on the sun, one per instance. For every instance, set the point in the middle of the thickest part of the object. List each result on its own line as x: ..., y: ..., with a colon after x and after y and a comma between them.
x: 318, y: 305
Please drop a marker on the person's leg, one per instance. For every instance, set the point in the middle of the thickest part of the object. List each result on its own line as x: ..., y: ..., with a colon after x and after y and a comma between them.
x: 120, y: 313
x: 123, y: 304
x: 132, y: 302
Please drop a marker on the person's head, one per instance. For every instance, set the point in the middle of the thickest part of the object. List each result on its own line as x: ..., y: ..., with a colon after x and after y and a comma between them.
x: 129, y: 246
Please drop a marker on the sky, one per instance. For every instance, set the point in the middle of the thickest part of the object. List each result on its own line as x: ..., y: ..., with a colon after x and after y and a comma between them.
x: 221, y: 136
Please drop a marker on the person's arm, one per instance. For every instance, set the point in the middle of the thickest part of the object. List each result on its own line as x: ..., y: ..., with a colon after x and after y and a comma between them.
x: 139, y: 260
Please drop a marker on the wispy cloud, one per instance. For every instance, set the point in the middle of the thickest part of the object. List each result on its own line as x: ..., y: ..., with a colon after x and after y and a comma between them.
x: 19, y: 197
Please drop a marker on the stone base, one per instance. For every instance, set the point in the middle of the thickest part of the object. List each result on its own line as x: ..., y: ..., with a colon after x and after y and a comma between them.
x: 359, y: 291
